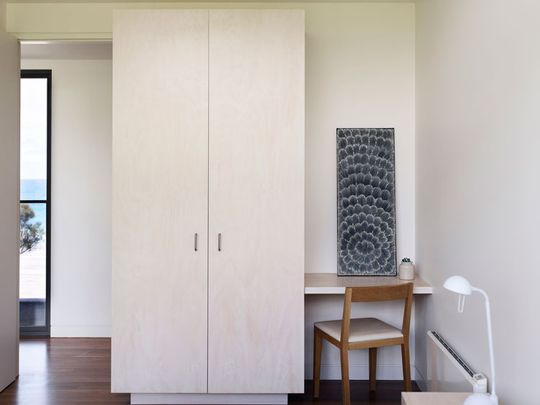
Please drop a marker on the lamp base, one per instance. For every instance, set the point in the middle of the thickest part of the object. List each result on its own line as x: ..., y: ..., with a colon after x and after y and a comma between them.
x: 481, y: 399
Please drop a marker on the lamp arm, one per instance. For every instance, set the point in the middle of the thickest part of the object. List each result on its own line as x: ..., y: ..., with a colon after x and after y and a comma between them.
x: 490, y: 341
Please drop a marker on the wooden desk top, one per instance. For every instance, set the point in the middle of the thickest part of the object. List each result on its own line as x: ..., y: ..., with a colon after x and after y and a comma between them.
x: 432, y: 398
x: 330, y: 283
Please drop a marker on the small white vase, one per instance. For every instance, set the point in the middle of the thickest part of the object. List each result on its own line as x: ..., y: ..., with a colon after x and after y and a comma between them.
x: 406, y: 271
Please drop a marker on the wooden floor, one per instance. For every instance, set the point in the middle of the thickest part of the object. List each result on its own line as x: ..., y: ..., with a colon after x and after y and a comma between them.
x: 77, y: 371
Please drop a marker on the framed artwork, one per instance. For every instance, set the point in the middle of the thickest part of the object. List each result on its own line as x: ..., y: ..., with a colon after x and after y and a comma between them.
x: 366, y: 214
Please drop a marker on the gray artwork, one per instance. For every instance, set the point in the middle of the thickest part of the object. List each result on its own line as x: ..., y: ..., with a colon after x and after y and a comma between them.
x: 366, y: 202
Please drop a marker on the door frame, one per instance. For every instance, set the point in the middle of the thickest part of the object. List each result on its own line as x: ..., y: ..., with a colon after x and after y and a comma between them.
x: 46, y: 329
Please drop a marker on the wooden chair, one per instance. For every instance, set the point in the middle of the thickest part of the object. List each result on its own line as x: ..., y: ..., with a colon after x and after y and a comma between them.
x: 364, y: 333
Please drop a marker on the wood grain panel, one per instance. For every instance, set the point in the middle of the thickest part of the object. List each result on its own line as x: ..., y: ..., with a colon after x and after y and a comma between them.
x: 160, y: 194
x: 256, y: 281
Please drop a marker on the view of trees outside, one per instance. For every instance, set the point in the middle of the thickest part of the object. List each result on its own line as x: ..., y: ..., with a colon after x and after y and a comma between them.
x: 33, y: 207
x: 31, y: 233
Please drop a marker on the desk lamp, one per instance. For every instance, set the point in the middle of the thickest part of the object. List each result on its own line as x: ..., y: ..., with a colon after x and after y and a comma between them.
x: 461, y: 286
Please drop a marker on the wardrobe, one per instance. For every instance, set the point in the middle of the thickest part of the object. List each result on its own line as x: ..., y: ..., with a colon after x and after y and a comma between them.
x: 208, y: 204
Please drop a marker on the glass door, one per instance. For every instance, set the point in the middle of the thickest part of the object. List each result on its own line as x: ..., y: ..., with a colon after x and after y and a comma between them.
x: 35, y: 219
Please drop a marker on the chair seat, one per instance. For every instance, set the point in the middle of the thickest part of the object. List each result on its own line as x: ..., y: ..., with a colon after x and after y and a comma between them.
x: 361, y: 330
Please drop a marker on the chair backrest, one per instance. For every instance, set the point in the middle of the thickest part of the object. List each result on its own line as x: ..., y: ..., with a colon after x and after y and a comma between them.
x: 377, y: 293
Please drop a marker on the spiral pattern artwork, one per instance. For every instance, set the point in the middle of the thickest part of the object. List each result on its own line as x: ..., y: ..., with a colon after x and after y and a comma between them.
x: 366, y: 202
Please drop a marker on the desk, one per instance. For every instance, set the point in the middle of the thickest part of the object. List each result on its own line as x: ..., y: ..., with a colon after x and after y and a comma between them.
x: 324, y: 301
x: 331, y: 283
x: 433, y: 398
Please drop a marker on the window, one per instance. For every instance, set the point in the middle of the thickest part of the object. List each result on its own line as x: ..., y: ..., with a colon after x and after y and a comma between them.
x: 35, y: 218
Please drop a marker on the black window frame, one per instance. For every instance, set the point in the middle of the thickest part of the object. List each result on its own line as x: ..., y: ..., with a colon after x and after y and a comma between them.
x: 44, y: 330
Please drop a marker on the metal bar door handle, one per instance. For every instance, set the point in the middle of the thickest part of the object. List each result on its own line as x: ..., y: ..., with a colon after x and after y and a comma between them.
x: 219, y: 242
x: 196, y: 238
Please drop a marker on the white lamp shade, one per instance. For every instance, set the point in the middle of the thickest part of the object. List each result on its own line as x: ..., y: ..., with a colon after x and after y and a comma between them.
x: 458, y: 284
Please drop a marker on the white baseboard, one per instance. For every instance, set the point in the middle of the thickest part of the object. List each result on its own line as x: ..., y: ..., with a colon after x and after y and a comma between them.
x: 361, y: 371
x: 80, y: 330
x: 196, y: 399
x: 420, y: 380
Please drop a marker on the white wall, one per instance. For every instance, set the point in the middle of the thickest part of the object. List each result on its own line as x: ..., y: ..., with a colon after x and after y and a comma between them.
x: 2, y: 15
x: 81, y: 196
x: 359, y: 73
x: 478, y: 98
x: 9, y: 208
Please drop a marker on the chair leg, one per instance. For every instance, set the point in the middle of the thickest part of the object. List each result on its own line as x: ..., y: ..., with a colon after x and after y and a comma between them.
x: 345, y: 376
x: 372, y: 368
x: 406, y: 366
x: 317, y: 350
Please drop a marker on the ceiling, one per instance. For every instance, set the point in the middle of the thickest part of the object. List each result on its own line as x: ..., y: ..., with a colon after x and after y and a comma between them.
x: 66, y: 50
x: 209, y: 1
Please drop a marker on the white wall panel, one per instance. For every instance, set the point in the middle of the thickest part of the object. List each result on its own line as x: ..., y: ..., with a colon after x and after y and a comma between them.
x: 9, y: 209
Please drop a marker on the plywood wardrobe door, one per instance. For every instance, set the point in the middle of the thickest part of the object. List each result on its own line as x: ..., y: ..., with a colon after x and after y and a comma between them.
x: 160, y: 184
x: 256, y: 190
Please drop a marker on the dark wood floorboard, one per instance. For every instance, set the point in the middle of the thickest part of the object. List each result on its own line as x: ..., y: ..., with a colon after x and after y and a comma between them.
x: 77, y: 371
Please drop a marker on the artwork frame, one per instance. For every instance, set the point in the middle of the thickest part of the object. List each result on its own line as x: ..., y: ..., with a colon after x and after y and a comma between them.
x: 366, y: 202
